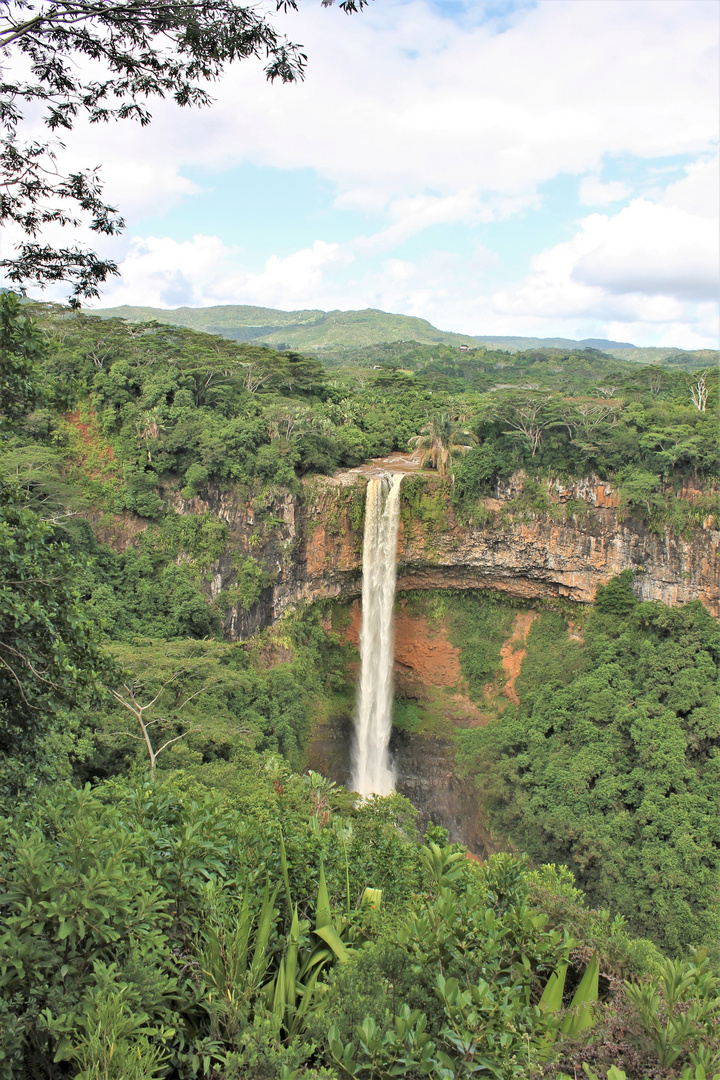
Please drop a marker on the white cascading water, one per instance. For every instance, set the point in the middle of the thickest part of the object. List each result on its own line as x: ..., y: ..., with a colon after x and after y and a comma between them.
x: 373, y: 774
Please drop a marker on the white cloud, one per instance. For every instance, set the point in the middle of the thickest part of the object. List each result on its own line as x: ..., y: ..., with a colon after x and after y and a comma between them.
x: 290, y: 282
x: 701, y: 332
x: 401, y: 102
x: 653, y: 250
x: 473, y: 109
x: 593, y: 192
x: 412, y: 215
x: 648, y: 266
x: 421, y: 121
x: 161, y: 272
x: 409, y: 216
x: 699, y: 190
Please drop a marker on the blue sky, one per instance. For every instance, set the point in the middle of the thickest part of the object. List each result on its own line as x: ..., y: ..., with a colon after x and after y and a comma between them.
x: 527, y: 168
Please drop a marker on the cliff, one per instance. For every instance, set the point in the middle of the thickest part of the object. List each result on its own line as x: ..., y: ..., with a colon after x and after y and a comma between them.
x: 564, y: 544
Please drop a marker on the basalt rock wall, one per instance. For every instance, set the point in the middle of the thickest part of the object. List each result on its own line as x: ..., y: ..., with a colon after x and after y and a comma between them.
x: 310, y: 546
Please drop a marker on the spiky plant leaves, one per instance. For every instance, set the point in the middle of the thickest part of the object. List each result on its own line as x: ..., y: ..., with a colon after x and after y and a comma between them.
x: 580, y: 1015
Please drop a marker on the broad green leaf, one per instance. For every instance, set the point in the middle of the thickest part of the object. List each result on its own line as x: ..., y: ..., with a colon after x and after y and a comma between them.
x: 319, y: 955
x: 371, y: 898
x: 260, y: 958
x: 307, y: 996
x: 550, y: 1004
x: 279, y: 1002
x: 551, y: 1000
x: 330, y: 937
x: 291, y: 959
x: 243, y: 937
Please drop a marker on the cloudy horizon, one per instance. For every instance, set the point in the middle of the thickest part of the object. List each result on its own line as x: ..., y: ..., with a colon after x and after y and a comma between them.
x: 541, y: 169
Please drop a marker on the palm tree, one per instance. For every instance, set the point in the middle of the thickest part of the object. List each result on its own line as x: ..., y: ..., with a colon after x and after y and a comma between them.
x: 438, y: 440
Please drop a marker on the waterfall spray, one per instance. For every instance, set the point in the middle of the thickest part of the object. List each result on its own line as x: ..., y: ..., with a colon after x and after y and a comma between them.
x: 373, y: 722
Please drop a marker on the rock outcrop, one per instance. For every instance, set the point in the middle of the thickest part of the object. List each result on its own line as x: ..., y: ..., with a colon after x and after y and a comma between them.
x: 311, y: 546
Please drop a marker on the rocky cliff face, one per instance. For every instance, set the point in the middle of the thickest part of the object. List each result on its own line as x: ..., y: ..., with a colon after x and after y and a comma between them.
x: 311, y: 546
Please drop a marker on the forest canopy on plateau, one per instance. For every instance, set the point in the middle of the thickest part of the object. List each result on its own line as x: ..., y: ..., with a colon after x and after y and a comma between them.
x: 179, y: 896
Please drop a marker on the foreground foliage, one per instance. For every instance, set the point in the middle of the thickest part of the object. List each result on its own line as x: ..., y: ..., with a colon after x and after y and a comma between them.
x: 151, y: 929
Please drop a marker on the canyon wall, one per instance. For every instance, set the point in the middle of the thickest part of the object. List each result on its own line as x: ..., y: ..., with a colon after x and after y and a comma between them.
x: 310, y: 546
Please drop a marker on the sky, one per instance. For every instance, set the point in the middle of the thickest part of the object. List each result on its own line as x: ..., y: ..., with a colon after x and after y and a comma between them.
x: 533, y: 168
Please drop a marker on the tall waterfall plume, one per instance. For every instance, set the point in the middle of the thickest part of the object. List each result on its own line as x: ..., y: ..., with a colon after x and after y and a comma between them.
x: 373, y: 722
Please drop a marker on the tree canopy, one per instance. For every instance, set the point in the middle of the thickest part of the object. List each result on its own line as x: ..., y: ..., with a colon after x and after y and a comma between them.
x: 611, y: 764
x: 50, y: 657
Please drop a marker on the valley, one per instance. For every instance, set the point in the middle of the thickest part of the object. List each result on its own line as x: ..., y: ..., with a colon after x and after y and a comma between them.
x: 184, y: 526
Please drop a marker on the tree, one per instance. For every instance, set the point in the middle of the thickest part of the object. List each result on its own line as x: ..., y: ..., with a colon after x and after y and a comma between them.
x: 529, y: 419
x: 301, y: 374
x: 21, y: 347
x: 591, y: 413
x: 699, y: 391
x: 149, y: 427
x: 437, y: 441
x: 129, y: 697
x: 287, y: 419
x: 106, y: 60
x: 610, y: 763
x: 49, y: 654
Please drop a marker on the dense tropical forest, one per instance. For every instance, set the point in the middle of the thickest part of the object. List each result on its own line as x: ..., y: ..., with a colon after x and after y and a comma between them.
x: 180, y: 896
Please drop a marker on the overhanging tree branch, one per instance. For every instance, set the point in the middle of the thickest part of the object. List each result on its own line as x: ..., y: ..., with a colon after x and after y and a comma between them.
x: 137, y: 51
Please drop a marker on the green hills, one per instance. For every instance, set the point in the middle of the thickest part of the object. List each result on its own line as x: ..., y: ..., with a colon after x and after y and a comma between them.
x: 308, y: 330
x: 315, y: 331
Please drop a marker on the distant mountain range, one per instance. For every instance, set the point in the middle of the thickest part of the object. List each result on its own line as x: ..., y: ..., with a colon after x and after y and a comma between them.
x: 521, y: 343
x: 317, y: 331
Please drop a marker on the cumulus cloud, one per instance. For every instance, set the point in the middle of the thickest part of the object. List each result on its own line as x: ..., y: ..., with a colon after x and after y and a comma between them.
x: 403, y: 101
x: 699, y: 190
x: 652, y: 250
x: 162, y: 272
x: 428, y: 103
x: 649, y: 265
x: 290, y: 282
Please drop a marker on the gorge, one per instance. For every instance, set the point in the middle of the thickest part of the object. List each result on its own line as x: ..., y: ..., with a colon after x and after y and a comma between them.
x: 549, y: 553
x: 186, y: 549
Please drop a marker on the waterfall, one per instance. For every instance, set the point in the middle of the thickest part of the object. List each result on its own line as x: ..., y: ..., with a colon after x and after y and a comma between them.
x: 373, y: 721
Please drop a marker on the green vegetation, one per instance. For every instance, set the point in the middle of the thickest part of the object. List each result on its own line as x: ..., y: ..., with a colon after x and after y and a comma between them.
x: 132, y: 418
x: 50, y: 658
x: 150, y: 928
x: 177, y: 900
x: 478, y: 624
x: 610, y: 763
x: 308, y: 330
x: 328, y: 331
x: 438, y: 440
